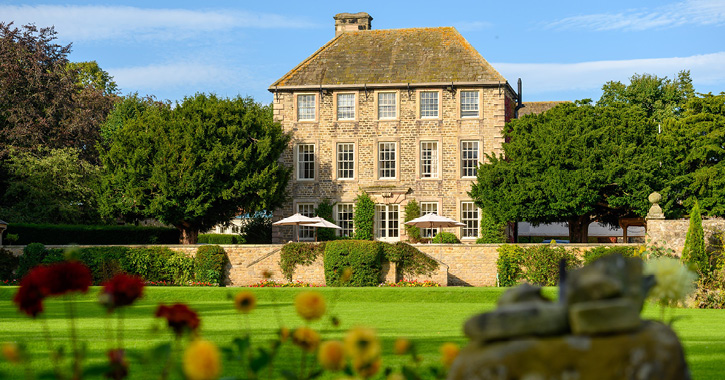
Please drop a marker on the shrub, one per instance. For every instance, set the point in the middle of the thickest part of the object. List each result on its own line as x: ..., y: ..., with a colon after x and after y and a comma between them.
x: 210, y: 263
x: 33, y: 255
x: 294, y: 254
x: 11, y: 239
x: 61, y: 234
x: 148, y: 263
x: 364, y: 218
x: 538, y: 265
x: 324, y: 210
x: 693, y: 253
x: 220, y: 239
x: 410, y: 261
x: 596, y: 253
x: 182, y: 269
x: 412, y: 211
x: 492, y: 232
x: 363, y: 257
x: 257, y: 230
x: 8, y: 263
x: 446, y: 238
x: 104, y: 262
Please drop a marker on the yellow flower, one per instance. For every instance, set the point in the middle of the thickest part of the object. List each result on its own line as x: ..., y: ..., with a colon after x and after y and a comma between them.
x: 362, y: 344
x: 11, y: 352
x: 201, y: 361
x: 367, y: 368
x: 674, y: 280
x: 331, y: 355
x: 401, y: 346
x: 310, y: 305
x: 245, y: 302
x: 449, y: 351
x: 283, y: 334
x: 306, y: 338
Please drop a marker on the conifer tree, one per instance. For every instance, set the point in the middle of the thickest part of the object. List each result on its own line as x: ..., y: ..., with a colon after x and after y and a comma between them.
x: 694, y: 251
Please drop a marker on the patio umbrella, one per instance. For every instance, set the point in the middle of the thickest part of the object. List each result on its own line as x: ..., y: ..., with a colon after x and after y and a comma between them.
x: 434, y: 220
x: 295, y: 220
x: 321, y: 223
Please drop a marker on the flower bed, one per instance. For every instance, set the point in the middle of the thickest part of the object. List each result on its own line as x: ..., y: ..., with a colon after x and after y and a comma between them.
x: 279, y: 284
x: 411, y: 284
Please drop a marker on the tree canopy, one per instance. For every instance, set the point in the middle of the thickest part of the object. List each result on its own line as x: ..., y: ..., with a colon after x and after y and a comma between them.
x: 581, y: 162
x: 193, y: 165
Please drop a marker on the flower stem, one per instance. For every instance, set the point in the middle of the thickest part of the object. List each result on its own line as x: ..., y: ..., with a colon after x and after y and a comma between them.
x: 49, y: 343
x: 73, y: 337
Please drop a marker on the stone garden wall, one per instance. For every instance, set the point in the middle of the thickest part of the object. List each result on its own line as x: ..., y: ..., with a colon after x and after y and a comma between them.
x: 459, y: 264
x: 672, y: 233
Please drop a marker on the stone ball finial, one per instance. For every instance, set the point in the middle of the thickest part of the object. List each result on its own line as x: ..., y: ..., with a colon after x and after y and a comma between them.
x: 655, y: 198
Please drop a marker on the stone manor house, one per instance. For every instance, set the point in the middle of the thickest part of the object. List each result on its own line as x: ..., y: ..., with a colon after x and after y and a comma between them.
x: 400, y: 114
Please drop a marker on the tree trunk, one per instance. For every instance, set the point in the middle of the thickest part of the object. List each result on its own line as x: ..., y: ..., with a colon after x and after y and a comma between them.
x: 579, y: 229
x: 189, y: 234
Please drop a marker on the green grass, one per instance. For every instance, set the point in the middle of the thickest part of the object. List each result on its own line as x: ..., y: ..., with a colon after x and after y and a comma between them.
x: 427, y: 316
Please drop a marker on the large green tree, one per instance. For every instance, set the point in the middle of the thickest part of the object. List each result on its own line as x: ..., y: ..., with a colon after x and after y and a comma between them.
x: 194, y: 165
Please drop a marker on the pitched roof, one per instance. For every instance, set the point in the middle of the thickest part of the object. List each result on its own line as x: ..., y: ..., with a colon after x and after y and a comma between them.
x: 416, y: 55
x: 539, y: 107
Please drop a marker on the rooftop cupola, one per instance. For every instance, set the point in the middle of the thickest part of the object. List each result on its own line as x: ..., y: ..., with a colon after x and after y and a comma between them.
x: 352, y: 22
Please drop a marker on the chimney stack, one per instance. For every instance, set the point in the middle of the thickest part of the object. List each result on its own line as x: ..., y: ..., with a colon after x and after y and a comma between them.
x: 352, y: 22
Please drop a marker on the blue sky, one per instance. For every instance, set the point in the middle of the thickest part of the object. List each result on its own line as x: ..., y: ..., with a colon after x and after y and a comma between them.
x: 562, y: 50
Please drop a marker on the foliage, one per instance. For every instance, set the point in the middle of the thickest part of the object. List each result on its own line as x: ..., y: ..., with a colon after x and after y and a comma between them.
x: 411, y: 284
x: 695, y: 150
x: 288, y: 284
x: 325, y: 210
x: 194, y: 165
x: 596, y: 253
x: 508, y: 264
x: 492, y: 232
x: 364, y: 218
x: 538, y: 264
x: 220, y: 239
x: 104, y: 262
x: 257, y: 230
x: 412, y: 211
x: 50, y: 186
x: 61, y: 234
x: 210, y: 263
x: 8, y: 264
x: 363, y: 257
x: 294, y: 254
x: 89, y: 74
x: 446, y: 238
x: 693, y: 253
x: 33, y: 255
x: 410, y: 261
x: 127, y: 109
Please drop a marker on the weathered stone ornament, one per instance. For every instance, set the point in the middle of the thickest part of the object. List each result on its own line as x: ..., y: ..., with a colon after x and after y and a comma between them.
x: 594, y: 331
x: 655, y: 212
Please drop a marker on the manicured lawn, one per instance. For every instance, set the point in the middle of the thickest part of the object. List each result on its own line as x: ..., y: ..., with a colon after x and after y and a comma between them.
x: 427, y: 316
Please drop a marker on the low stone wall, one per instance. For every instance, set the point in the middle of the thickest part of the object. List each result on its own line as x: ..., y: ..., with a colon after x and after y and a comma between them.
x: 672, y: 233
x: 459, y: 264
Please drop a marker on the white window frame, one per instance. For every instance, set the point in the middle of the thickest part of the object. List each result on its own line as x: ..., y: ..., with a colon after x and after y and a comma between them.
x: 305, y: 233
x: 426, y: 208
x: 465, y: 161
x: 348, y: 225
x: 351, y: 108
x: 299, y: 163
x: 476, y: 104
x: 381, y: 159
x: 434, y: 164
x: 338, y: 162
x: 300, y: 107
x: 394, y: 105
x: 387, y: 222
x: 427, y: 114
x: 468, y: 207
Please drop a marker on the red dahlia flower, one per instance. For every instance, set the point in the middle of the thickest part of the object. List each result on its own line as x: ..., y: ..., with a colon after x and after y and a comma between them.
x: 32, y: 291
x: 179, y: 317
x: 68, y: 276
x: 121, y: 290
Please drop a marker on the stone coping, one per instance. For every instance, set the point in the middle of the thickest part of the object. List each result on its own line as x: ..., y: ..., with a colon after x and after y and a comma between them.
x: 574, y: 245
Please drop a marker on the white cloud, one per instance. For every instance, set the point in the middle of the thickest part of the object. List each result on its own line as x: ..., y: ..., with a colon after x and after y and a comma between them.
x: 690, y: 12
x: 706, y: 69
x: 80, y: 23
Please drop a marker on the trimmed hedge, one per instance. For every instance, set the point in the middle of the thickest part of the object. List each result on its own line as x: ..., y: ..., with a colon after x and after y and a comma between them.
x: 155, y: 264
x: 599, y: 252
x: 446, y: 238
x: 538, y: 265
x: 63, y: 234
x: 363, y: 257
x: 410, y: 260
x: 220, y: 239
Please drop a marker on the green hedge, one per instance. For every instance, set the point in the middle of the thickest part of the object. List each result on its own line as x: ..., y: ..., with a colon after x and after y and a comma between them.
x: 598, y: 252
x: 155, y: 264
x: 220, y: 239
x: 538, y: 265
x: 8, y: 262
x: 294, y: 254
x: 363, y: 257
x: 446, y: 238
x: 62, y: 234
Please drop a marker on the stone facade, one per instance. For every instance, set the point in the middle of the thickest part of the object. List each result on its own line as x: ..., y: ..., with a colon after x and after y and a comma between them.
x: 671, y: 234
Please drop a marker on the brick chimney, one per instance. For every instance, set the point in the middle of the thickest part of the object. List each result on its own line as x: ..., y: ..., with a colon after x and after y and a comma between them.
x: 352, y: 22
